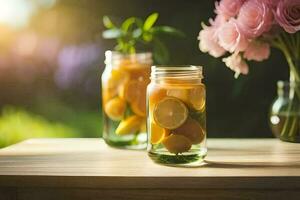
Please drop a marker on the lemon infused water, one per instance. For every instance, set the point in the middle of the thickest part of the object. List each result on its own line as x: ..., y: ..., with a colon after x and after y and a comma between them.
x: 176, y: 115
x: 124, y: 84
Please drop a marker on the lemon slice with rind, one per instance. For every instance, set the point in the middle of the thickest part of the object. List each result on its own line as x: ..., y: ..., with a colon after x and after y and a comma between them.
x: 170, y: 113
x: 158, y: 133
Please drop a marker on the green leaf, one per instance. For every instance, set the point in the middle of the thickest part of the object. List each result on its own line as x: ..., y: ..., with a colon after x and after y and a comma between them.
x: 107, y: 22
x: 120, y: 45
x: 128, y: 23
x: 151, y: 19
x: 147, y: 37
x: 134, y: 31
x: 111, y: 33
x: 137, y: 33
x: 160, y: 52
x: 167, y: 30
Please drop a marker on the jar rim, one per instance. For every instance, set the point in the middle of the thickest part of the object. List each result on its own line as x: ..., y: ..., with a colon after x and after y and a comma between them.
x: 176, y: 71
x: 177, y: 67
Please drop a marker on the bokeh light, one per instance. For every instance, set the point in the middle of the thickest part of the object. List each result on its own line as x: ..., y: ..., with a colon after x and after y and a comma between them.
x: 17, y: 13
x: 73, y: 61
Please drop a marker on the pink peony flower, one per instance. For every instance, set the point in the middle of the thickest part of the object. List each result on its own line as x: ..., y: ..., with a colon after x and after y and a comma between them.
x: 208, y: 42
x: 288, y: 15
x: 257, y: 51
x: 219, y: 20
x: 228, y: 8
x: 255, y: 17
x: 236, y: 63
x: 231, y: 38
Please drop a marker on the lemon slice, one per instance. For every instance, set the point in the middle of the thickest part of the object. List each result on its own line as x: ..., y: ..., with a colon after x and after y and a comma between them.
x: 112, y: 81
x: 193, y: 97
x: 182, y: 94
x: 170, y: 113
x: 157, y: 133
x: 139, y: 105
x: 177, y: 144
x: 115, y: 108
x: 135, y: 94
x: 130, y: 125
x: 156, y: 94
x: 197, y: 97
x: 192, y: 130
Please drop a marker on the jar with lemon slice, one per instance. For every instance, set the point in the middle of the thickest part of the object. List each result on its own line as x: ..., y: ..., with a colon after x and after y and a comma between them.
x: 176, y: 116
x: 124, y: 84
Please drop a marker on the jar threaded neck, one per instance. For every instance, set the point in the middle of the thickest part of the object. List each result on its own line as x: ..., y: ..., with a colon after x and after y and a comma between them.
x: 178, y: 72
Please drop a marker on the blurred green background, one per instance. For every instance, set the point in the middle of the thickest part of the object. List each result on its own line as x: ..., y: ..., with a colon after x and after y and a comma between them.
x: 51, y: 60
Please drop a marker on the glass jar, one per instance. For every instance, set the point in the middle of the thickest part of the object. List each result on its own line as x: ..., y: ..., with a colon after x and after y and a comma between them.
x: 285, y: 112
x: 124, y: 84
x: 176, y: 117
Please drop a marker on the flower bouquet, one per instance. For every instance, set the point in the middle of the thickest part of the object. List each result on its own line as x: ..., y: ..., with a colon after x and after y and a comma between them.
x: 247, y: 29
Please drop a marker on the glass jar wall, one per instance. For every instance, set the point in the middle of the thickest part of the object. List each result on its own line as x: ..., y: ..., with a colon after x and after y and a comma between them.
x: 176, y: 117
x: 124, y: 83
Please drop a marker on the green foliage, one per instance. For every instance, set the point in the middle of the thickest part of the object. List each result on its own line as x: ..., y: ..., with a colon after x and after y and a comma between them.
x: 87, y: 122
x: 150, y: 21
x: 17, y: 125
x: 135, y: 32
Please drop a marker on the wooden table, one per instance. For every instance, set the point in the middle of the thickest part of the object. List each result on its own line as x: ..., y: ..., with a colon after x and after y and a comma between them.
x: 87, y: 169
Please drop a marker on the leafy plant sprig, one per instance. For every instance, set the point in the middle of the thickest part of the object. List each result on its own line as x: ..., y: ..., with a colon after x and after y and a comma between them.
x: 134, y: 32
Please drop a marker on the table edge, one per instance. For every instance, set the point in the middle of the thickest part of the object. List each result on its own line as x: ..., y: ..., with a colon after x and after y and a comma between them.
x: 109, y: 182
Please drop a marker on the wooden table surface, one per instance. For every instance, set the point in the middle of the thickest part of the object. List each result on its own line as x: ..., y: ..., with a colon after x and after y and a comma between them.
x: 89, y: 169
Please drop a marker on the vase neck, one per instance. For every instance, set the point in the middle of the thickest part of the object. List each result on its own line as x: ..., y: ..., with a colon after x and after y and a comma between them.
x: 284, y: 88
x: 294, y: 66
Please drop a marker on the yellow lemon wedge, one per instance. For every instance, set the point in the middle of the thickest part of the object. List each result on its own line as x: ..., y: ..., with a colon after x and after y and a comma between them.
x: 129, y: 125
x: 157, y: 133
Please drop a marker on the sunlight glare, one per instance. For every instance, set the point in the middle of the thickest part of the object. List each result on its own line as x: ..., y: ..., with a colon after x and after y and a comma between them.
x: 17, y: 13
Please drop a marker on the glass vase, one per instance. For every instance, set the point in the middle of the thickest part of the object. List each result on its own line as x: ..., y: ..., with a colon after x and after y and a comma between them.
x: 285, y: 112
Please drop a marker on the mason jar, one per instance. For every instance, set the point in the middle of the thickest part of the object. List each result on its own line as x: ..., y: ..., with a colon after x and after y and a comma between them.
x: 176, y: 116
x: 285, y: 112
x: 124, y: 84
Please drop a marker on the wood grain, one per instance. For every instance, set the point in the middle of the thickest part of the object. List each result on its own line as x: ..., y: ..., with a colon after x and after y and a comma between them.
x: 233, y: 166
x: 144, y: 194
x: 8, y: 194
